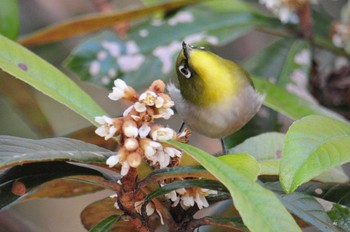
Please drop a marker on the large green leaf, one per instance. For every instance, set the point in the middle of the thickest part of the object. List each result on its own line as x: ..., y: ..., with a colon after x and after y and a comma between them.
x: 9, y: 19
x: 313, y: 145
x: 290, y: 105
x: 244, y: 163
x: 15, y: 151
x: 18, y: 181
x: 253, y: 202
x: 18, y: 62
x: 267, y: 149
x: 151, y: 46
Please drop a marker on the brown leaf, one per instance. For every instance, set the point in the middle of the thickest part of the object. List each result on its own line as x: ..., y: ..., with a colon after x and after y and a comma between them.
x: 21, y: 96
x: 61, y: 188
x: 101, y: 209
x: 88, y: 135
x: 89, y: 23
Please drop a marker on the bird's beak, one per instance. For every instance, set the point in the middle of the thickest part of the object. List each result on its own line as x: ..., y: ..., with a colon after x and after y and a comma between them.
x: 186, y: 49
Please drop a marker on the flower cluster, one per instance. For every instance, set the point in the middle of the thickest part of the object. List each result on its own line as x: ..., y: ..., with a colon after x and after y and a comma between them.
x: 139, y: 137
x: 188, y: 197
x: 286, y: 10
x: 340, y: 34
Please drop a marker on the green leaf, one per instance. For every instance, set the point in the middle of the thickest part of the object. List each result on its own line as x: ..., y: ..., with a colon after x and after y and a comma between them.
x: 268, y: 61
x: 9, y: 19
x: 18, y: 181
x: 15, y: 151
x: 279, y: 99
x: 313, y: 145
x: 106, y: 224
x: 298, y: 60
x: 280, y: 59
x: 191, y: 183
x: 186, y: 171
x: 244, y: 163
x: 267, y: 149
x: 309, y: 210
x: 340, y: 215
x: 28, y: 67
x: 153, y: 55
x: 305, y: 206
x: 266, y: 146
x: 93, y: 22
x: 253, y: 202
x: 332, y: 192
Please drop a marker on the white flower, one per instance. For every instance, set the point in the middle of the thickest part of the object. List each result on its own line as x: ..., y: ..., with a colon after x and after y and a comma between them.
x: 171, y: 195
x: 149, y: 209
x: 140, y: 107
x: 159, y: 102
x: 165, y: 113
x: 150, y: 147
x: 125, y: 168
x: 128, y: 110
x: 163, y: 134
x: 187, y: 201
x: 106, y: 129
x: 172, y: 152
x: 112, y: 160
x: 144, y: 131
x: 181, y: 191
x: 160, y: 216
x: 130, y: 129
x: 131, y: 144
x: 162, y: 158
x: 118, y: 90
x: 148, y: 98
x: 116, y: 205
x: 201, y: 201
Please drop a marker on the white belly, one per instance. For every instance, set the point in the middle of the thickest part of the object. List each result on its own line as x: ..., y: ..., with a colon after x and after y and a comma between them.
x: 220, y: 120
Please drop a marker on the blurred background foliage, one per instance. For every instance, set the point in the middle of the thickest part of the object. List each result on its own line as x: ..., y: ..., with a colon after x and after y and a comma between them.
x: 83, y: 39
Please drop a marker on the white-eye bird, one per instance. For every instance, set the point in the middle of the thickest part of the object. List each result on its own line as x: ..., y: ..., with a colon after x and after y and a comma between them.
x: 216, y: 97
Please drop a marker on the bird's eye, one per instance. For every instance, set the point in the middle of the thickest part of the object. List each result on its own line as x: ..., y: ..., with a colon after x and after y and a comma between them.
x: 185, y: 71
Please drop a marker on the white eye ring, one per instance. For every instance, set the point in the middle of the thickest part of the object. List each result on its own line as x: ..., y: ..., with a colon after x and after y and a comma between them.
x: 185, y: 71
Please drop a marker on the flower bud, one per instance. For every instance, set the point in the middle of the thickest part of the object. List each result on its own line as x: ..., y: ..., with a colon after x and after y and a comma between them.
x: 130, y: 129
x: 134, y: 159
x: 131, y: 144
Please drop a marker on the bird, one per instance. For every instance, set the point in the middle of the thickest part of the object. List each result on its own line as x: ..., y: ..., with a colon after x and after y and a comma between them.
x: 214, y: 96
